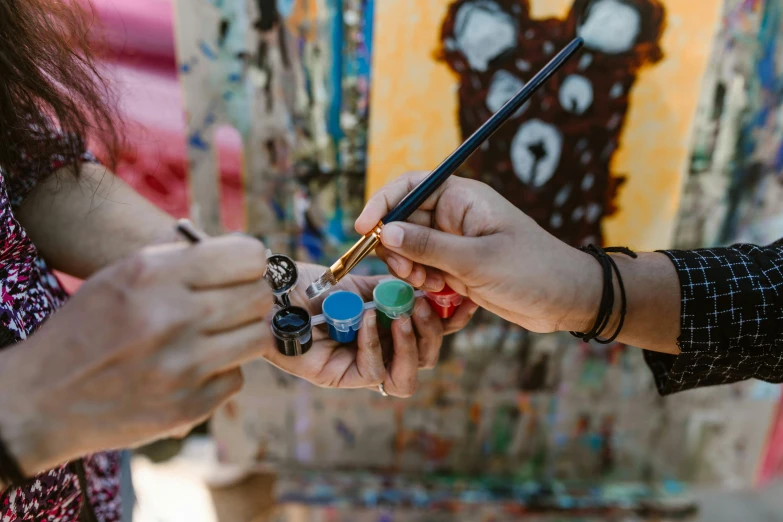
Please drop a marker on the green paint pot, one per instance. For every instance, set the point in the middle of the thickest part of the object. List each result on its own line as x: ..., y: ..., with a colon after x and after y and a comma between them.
x: 393, y: 299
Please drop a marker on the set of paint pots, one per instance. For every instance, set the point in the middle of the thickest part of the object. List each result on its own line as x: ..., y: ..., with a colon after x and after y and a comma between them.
x: 392, y: 299
x: 343, y: 311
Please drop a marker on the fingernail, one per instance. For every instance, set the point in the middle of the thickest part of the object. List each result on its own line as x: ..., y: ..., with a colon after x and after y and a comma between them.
x: 393, y: 236
x: 369, y: 320
x: 407, y: 326
x: 394, y: 264
x: 424, y: 310
x: 433, y: 284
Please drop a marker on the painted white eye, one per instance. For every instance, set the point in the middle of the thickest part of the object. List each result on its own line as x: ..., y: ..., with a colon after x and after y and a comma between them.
x: 503, y: 87
x: 535, y: 152
x: 611, y: 27
x: 483, y: 31
x: 576, y: 94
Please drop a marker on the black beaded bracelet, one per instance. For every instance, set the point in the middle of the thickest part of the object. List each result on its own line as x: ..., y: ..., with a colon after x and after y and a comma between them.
x: 10, y: 472
x: 606, y: 307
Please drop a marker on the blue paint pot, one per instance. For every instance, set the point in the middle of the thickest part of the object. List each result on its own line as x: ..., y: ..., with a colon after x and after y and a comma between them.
x: 343, y: 312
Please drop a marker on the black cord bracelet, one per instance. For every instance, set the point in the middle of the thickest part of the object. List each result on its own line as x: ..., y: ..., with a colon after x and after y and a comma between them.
x: 606, y: 307
x: 10, y: 472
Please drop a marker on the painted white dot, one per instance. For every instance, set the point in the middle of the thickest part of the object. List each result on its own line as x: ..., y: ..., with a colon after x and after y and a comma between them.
x: 351, y: 18
x: 578, y: 214
x: 545, y: 105
x: 611, y: 27
x: 535, y: 152
x: 590, y: 240
x: 581, y: 144
x: 587, y: 182
x: 593, y: 212
x: 503, y: 87
x: 616, y: 91
x: 562, y: 196
x: 483, y: 32
x: 587, y: 157
x: 475, y: 81
x: 576, y: 94
x: 450, y: 45
x: 530, y: 34
x: 524, y: 65
x: 485, y: 146
x: 557, y: 220
x: 585, y: 61
x: 349, y: 120
x: 549, y: 48
x: 614, y: 121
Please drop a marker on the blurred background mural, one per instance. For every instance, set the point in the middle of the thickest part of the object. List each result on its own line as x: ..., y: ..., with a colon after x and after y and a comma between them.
x: 278, y: 117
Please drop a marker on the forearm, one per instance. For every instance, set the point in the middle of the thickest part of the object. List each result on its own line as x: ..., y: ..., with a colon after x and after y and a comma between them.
x: 82, y: 224
x: 652, y: 288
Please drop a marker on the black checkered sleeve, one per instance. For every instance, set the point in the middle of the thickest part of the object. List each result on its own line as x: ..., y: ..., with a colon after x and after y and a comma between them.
x: 732, y: 319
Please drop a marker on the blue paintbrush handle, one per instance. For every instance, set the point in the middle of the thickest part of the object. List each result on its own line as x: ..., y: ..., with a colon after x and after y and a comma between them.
x: 426, y: 188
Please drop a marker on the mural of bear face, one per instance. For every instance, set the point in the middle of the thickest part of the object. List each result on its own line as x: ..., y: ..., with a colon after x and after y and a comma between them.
x: 553, y: 158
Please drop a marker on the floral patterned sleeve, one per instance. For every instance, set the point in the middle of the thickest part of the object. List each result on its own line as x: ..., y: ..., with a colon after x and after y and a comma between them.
x: 731, y: 318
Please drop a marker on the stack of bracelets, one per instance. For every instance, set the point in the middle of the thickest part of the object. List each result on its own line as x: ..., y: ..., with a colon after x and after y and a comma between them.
x: 606, y: 307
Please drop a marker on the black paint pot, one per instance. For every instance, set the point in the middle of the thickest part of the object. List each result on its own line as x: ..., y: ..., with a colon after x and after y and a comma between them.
x: 293, y: 329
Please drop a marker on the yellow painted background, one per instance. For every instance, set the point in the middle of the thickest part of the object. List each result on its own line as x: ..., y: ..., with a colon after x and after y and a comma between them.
x: 414, y: 109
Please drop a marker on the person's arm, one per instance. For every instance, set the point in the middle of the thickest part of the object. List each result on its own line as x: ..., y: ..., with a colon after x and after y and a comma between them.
x: 706, y: 316
x: 731, y: 322
x: 83, y: 223
x: 653, y: 294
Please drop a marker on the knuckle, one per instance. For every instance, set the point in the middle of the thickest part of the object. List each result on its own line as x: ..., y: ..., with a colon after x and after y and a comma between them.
x: 421, y: 242
x: 138, y: 270
x: 236, y: 382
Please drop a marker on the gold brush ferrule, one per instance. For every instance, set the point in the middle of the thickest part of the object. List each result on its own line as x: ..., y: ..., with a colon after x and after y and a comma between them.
x: 359, y: 251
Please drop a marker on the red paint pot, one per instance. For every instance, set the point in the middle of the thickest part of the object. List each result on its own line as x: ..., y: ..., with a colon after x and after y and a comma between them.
x: 445, y: 302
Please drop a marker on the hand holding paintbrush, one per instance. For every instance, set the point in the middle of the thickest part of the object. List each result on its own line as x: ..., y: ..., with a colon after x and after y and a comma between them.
x: 429, y: 185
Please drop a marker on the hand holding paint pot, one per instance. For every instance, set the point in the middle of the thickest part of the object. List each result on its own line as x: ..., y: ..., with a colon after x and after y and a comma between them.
x: 468, y: 237
x: 348, y: 350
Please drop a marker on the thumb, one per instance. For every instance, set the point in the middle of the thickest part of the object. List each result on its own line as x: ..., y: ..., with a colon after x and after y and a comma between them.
x: 448, y: 252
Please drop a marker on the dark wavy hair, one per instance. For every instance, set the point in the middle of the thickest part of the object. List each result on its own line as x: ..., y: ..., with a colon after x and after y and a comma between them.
x: 51, y: 86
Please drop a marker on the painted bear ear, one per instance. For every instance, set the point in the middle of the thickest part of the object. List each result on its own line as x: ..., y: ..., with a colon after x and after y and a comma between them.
x: 476, y: 32
x: 628, y: 28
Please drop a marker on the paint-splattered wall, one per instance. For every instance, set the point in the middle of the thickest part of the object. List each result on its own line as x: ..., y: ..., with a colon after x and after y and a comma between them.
x: 293, y: 79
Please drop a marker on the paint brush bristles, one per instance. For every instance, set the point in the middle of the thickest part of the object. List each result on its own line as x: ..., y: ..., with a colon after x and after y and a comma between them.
x: 323, y: 284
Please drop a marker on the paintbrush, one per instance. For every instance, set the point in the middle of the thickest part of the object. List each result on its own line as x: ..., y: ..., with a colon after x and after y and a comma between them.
x: 437, y: 177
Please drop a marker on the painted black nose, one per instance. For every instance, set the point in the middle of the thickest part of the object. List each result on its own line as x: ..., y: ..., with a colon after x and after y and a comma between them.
x: 538, y: 150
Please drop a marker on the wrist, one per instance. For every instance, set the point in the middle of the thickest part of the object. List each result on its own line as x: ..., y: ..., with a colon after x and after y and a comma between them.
x: 29, y: 427
x: 585, y: 280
